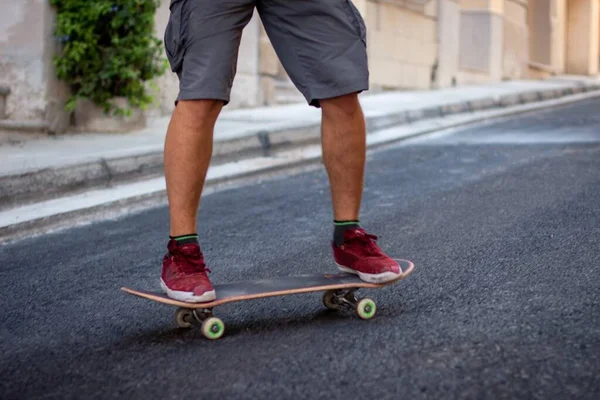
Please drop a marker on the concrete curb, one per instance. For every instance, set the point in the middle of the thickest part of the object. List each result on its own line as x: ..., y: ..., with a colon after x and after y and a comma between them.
x: 51, y: 182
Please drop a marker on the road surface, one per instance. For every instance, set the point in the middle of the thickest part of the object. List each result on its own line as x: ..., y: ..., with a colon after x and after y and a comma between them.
x: 502, y: 221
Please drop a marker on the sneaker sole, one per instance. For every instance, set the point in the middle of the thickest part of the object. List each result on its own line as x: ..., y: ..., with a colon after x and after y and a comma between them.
x: 188, y: 297
x: 371, y: 278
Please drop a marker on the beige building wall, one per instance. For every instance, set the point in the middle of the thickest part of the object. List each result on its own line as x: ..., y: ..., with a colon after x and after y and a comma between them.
x: 583, y: 36
x: 402, y: 43
x: 547, y: 20
x: 564, y: 37
x: 558, y: 35
x: 448, y: 39
x: 515, y: 56
x: 481, y: 40
x: 540, y: 32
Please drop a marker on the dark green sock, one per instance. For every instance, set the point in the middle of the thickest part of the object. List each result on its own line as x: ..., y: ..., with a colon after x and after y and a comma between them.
x: 185, y: 239
x: 339, y: 229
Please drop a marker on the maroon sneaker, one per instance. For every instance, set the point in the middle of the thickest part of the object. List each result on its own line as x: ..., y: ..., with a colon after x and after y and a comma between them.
x: 359, y: 254
x: 184, y: 275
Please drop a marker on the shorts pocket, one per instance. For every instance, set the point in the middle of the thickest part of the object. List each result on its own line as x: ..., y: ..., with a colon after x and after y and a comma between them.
x: 174, y: 34
x: 357, y: 20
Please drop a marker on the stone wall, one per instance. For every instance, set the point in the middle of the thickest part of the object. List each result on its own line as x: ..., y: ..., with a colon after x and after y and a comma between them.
x: 558, y: 35
x: 481, y: 40
x: 515, y: 40
x: 24, y: 59
x: 539, y: 21
x: 564, y: 37
x: 402, y: 43
x: 448, y: 37
x: 583, y: 37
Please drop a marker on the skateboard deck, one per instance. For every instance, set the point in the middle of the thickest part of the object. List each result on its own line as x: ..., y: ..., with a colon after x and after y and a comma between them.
x: 339, y: 291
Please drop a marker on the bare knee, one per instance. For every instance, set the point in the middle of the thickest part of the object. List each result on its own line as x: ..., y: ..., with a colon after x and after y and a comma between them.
x: 198, y: 114
x: 346, y: 106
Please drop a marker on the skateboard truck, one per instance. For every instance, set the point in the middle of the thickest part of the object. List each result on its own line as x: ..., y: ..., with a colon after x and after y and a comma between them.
x: 211, y: 326
x: 365, y: 308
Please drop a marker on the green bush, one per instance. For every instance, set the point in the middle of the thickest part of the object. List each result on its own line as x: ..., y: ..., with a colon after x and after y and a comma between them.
x: 108, y: 50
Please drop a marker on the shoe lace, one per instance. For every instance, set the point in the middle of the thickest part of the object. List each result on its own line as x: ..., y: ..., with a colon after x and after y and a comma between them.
x: 187, y: 264
x: 368, y: 241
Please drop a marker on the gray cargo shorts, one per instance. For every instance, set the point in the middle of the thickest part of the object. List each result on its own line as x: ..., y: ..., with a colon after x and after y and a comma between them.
x: 320, y: 43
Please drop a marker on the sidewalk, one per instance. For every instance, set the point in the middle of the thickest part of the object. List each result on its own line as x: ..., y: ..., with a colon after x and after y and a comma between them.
x: 51, y: 165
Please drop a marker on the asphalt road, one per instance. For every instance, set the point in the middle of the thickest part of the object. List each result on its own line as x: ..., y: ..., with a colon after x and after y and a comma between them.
x: 501, y: 220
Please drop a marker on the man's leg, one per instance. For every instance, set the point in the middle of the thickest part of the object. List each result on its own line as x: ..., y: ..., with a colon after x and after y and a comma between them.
x: 201, y: 40
x: 322, y: 46
x: 188, y: 150
x: 344, y: 146
x: 344, y: 153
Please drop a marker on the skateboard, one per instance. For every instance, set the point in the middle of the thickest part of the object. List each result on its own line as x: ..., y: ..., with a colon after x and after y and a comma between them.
x: 339, y: 288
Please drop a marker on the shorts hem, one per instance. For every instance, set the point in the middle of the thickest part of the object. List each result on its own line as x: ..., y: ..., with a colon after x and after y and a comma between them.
x: 203, y: 96
x: 315, y: 97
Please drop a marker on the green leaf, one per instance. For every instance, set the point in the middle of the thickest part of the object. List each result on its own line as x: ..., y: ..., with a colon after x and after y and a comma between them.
x: 107, y: 52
